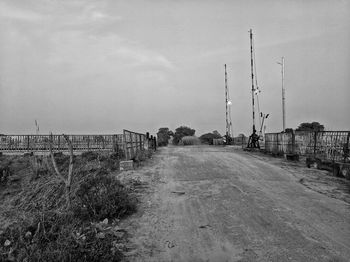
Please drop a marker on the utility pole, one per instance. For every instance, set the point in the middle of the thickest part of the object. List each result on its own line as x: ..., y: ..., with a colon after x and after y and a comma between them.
x: 283, y: 95
x: 226, y: 104
x: 252, y: 72
x: 253, y: 141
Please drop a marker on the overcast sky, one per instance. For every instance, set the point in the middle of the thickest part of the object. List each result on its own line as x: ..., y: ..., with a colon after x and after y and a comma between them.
x: 100, y: 66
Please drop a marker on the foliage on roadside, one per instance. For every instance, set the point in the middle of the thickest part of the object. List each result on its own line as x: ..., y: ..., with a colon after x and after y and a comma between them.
x: 163, y: 136
x: 312, y: 126
x: 48, y: 231
x: 208, y: 138
x: 181, y: 132
x: 102, y: 196
x: 54, y: 236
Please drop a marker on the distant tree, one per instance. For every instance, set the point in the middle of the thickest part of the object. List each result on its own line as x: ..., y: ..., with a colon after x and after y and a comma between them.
x: 208, y: 138
x: 215, y: 132
x: 163, y: 136
x: 182, y: 131
x: 314, y: 126
x: 241, y: 135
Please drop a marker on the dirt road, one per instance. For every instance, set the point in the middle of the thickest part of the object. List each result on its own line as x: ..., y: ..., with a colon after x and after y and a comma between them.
x: 223, y: 204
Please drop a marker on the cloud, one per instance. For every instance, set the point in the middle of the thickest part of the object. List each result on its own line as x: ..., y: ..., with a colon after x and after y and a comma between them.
x: 140, y: 57
x: 13, y: 13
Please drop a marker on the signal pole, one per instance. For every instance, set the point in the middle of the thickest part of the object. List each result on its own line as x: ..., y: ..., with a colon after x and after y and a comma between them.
x: 283, y: 95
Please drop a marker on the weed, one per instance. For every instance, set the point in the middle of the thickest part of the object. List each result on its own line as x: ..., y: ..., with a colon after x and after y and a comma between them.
x: 53, y: 236
x: 102, y: 196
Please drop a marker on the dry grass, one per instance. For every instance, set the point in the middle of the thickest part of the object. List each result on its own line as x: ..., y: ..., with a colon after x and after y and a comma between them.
x: 36, y: 224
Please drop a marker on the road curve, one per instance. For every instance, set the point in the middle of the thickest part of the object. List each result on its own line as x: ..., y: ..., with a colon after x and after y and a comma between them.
x: 222, y: 204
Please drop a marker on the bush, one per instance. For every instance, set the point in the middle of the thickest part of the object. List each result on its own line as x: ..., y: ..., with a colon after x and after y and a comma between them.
x: 189, y: 141
x: 163, y: 136
x: 208, y: 138
x: 52, y: 236
x: 102, y: 196
x: 181, y: 132
x: 89, y: 155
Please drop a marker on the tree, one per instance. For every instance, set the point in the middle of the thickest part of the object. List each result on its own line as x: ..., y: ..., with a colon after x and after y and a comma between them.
x: 215, y: 132
x: 163, y: 136
x: 209, y: 137
x: 182, y: 131
x: 314, y: 126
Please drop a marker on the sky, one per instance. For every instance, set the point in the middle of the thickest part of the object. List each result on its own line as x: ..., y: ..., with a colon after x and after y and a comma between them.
x: 101, y: 66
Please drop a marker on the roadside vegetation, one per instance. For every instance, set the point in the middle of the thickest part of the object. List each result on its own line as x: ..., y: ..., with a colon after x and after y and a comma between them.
x: 66, y: 209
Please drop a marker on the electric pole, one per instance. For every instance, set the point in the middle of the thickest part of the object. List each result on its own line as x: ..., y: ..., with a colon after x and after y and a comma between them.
x: 226, y: 104
x: 253, y: 141
x: 252, y: 72
x: 283, y: 96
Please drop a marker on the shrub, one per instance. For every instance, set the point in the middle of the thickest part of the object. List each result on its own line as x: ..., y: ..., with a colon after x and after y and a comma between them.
x: 89, y: 155
x: 102, y: 196
x: 163, y: 136
x: 189, y: 141
x: 208, y: 138
x: 52, y: 236
x: 181, y: 132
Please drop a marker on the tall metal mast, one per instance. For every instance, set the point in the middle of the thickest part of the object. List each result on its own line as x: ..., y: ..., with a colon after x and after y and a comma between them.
x: 283, y: 96
x: 253, y: 141
x: 226, y: 104
x: 252, y: 71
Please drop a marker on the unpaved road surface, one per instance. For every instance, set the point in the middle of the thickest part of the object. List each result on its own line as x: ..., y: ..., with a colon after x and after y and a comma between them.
x: 223, y: 204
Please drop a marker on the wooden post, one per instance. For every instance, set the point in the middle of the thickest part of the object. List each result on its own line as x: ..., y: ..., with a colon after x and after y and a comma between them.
x: 346, y: 149
x: 293, y: 142
x: 28, y: 142
x: 315, y: 143
x: 114, y: 146
x: 140, y: 137
x: 59, y: 142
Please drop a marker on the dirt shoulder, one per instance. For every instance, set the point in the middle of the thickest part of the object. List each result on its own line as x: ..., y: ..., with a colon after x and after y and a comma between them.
x: 321, y: 181
x: 223, y: 204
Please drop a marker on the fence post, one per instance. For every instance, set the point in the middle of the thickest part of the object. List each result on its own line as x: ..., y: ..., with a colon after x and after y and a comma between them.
x: 147, y: 139
x: 132, y: 146
x: 28, y: 142
x: 346, y: 149
x: 155, y: 144
x: 315, y: 143
x: 114, y: 147
x: 293, y: 142
x: 140, y: 138
x: 125, y: 146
